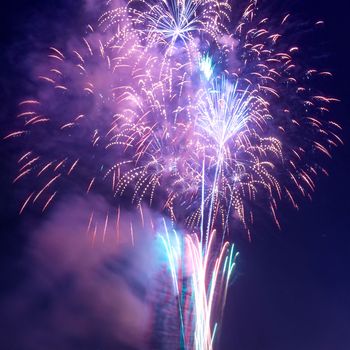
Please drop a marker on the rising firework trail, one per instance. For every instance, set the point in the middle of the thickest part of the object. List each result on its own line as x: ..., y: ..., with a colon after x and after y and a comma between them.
x: 204, y: 278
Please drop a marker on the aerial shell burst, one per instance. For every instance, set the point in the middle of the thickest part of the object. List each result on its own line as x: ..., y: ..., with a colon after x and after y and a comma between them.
x: 68, y: 128
x: 221, y: 135
x: 274, y: 66
x: 236, y: 157
x: 236, y: 133
x: 172, y: 20
x: 176, y: 30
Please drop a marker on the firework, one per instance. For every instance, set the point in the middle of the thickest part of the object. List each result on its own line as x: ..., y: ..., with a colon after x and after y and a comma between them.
x: 168, y: 106
x: 157, y: 129
x: 165, y: 23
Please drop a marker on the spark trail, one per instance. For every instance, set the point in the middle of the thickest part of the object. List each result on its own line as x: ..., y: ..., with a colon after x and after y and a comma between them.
x: 202, y: 278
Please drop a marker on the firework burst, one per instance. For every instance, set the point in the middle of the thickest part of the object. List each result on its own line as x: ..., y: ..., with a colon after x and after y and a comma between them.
x: 153, y: 123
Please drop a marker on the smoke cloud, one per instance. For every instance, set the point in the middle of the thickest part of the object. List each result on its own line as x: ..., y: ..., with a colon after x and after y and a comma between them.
x: 83, y: 288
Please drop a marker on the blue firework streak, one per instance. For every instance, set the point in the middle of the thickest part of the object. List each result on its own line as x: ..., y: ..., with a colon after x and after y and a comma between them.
x: 206, y: 66
x: 200, y: 279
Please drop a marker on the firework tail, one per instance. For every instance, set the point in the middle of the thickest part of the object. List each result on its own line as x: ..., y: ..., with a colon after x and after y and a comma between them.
x: 207, y: 273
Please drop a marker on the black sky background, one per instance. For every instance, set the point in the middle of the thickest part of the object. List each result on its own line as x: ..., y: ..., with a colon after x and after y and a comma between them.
x: 293, y: 287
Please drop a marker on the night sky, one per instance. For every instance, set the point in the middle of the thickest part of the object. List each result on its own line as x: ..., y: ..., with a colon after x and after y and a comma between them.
x: 292, y: 288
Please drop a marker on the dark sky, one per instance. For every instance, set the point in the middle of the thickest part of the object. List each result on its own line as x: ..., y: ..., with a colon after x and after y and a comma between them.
x: 293, y: 286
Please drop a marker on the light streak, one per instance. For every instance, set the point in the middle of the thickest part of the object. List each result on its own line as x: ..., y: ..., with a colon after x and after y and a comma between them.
x: 207, y: 273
